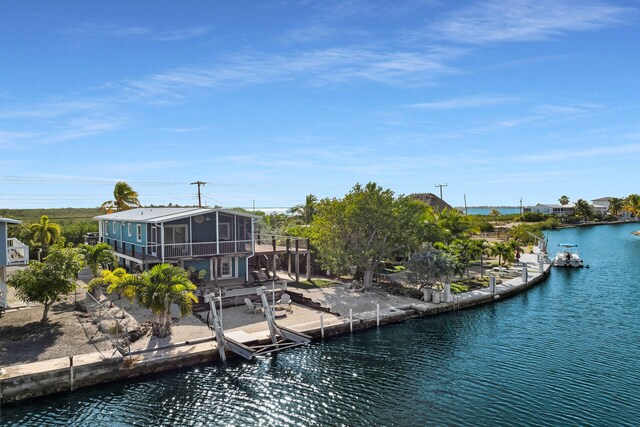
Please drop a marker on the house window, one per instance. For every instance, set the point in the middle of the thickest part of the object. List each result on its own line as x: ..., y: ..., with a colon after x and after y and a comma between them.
x: 175, y: 234
x: 129, y: 229
x: 225, y: 231
x: 114, y: 227
x: 105, y: 227
x: 139, y: 232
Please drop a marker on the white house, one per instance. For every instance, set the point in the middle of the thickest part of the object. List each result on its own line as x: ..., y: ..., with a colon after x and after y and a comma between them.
x: 601, y: 205
x: 552, y: 209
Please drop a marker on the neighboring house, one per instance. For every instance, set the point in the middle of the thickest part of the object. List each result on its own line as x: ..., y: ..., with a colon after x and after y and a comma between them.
x: 601, y: 206
x: 217, y: 240
x: 432, y: 200
x: 551, y: 209
x: 12, y: 252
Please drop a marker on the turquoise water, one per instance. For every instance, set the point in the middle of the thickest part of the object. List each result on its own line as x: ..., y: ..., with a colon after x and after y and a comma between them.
x: 565, y: 353
x: 487, y: 211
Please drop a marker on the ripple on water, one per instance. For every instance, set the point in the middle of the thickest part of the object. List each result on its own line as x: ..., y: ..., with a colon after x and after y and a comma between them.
x: 562, y: 354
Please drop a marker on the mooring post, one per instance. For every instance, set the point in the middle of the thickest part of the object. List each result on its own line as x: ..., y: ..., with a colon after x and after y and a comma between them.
x: 351, y: 319
x: 322, y: 326
x: 377, y: 314
x: 220, y: 300
x: 525, y: 274
x: 71, y: 385
x: 492, y: 284
x: 540, y: 265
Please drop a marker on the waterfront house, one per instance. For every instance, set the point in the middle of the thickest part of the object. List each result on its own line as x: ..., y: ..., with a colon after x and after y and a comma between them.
x: 552, y: 209
x: 12, y: 252
x: 215, y: 240
x: 601, y: 206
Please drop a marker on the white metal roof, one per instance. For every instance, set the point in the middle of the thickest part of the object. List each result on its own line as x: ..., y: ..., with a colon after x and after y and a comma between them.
x: 10, y: 221
x: 153, y: 215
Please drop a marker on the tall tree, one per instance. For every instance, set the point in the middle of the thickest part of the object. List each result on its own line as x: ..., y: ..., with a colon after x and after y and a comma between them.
x: 124, y: 198
x: 157, y: 289
x: 306, y: 211
x: 46, y: 281
x: 503, y: 251
x: 632, y: 204
x: 616, y: 205
x: 480, y: 248
x: 45, y: 232
x: 564, y: 200
x: 583, y: 210
x: 429, y: 265
x: 453, y: 224
x: 365, y: 227
x: 464, y: 250
x: 96, y: 256
x: 495, y: 214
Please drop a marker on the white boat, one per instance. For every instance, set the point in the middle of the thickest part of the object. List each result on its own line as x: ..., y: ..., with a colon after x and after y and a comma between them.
x: 568, y: 256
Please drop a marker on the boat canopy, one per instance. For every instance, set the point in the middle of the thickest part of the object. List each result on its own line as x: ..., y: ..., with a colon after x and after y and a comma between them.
x: 568, y: 245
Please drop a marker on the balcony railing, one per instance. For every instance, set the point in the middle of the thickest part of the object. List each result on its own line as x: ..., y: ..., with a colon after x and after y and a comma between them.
x: 179, y: 250
x: 17, y: 252
x: 288, y: 243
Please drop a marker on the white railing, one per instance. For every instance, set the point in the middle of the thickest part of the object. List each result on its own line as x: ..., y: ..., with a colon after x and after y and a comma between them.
x: 180, y: 250
x: 17, y: 252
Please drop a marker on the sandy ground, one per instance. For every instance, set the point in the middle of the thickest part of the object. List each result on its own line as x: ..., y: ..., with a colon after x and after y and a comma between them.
x: 24, y: 339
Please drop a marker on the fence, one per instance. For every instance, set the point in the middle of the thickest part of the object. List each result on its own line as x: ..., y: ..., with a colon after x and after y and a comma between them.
x: 104, y: 317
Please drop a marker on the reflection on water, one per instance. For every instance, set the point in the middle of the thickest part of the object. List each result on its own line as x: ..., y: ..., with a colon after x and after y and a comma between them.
x: 562, y: 354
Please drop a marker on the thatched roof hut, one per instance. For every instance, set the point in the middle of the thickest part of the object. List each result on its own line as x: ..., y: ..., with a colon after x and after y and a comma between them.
x: 432, y: 200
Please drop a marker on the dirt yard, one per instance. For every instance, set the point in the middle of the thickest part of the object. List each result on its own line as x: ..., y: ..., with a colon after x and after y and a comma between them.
x: 24, y: 339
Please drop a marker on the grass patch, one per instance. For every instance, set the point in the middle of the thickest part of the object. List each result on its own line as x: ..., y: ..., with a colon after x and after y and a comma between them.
x: 312, y: 284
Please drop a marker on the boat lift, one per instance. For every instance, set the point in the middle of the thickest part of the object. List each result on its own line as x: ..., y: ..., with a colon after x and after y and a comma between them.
x: 281, y: 338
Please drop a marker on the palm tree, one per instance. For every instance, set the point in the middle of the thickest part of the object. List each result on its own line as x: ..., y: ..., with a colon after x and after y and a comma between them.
x: 583, y: 210
x: 100, y: 255
x: 45, y: 232
x: 616, y: 205
x: 495, y: 213
x: 503, y: 251
x: 632, y: 204
x: 480, y: 248
x: 463, y: 250
x: 306, y: 211
x: 124, y: 198
x: 453, y: 224
x: 564, y: 200
x: 157, y: 289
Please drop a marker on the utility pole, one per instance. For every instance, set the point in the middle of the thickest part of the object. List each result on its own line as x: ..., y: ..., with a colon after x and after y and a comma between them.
x: 199, y: 183
x: 441, y: 185
x: 520, y: 205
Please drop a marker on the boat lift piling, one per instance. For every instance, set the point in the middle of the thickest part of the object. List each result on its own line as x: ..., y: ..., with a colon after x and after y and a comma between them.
x: 281, y: 337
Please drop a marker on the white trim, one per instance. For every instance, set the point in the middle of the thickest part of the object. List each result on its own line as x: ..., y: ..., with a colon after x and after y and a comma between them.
x: 129, y: 229
x: 138, y: 233
x: 227, y: 234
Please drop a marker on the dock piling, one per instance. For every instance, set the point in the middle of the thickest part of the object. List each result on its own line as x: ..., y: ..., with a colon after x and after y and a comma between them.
x: 377, y: 314
x: 322, y: 326
x: 351, y: 320
x: 71, y: 379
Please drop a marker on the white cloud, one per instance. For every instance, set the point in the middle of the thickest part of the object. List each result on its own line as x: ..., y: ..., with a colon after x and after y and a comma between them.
x: 525, y: 20
x: 466, y: 102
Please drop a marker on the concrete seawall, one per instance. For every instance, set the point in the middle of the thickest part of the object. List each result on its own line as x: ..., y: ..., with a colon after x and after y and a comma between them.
x: 18, y: 382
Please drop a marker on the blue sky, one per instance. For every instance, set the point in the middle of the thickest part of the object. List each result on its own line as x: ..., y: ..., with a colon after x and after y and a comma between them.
x: 270, y: 101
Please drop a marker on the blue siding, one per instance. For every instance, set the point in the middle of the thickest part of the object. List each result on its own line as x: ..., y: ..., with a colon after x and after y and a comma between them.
x: 199, y: 264
x: 3, y: 244
x: 242, y: 267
